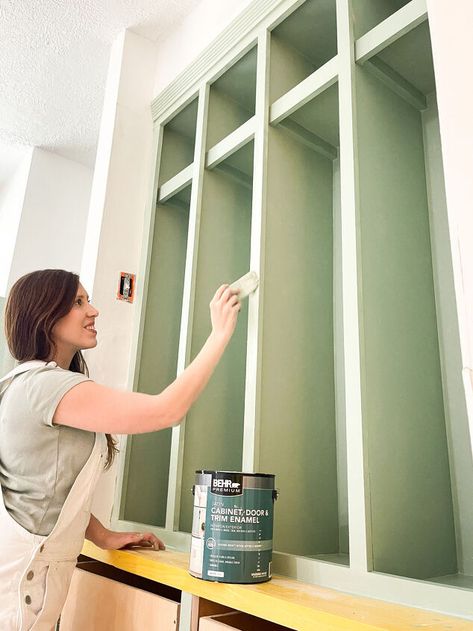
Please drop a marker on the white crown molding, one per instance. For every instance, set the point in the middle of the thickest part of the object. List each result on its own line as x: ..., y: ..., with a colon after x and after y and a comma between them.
x: 241, y: 26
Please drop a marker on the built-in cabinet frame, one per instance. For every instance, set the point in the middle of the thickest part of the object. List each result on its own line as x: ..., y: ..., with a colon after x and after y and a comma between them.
x: 252, y: 30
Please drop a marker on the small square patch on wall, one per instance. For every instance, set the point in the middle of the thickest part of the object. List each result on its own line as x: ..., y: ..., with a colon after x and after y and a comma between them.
x: 126, y: 287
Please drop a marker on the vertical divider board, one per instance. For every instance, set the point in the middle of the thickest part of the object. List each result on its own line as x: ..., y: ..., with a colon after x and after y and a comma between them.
x: 358, y: 491
x: 251, y: 430
x: 178, y: 432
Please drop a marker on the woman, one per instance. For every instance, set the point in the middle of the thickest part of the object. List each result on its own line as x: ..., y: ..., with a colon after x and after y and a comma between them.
x: 55, y: 436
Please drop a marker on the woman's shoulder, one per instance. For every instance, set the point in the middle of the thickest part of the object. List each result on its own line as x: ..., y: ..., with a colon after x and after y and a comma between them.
x: 44, y: 386
x: 50, y: 375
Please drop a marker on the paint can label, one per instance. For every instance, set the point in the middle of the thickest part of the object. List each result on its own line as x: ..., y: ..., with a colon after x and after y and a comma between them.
x: 232, y: 531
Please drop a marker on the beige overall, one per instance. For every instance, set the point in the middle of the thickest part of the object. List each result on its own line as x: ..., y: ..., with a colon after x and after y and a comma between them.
x: 36, y: 570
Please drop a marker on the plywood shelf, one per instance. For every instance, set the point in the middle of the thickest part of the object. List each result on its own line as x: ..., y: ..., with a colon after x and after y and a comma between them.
x: 308, y: 89
x: 231, y: 144
x: 284, y: 601
x: 390, y: 30
x: 175, y: 185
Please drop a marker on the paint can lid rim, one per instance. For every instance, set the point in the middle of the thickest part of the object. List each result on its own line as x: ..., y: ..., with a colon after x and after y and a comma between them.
x: 253, y: 475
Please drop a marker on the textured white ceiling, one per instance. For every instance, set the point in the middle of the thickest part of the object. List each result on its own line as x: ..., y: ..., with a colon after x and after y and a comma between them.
x: 53, y: 63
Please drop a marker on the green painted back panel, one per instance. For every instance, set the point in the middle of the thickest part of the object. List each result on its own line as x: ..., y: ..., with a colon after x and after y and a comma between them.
x: 177, y: 154
x: 225, y: 115
x: 298, y: 441
x: 410, y: 491
x: 149, y: 454
x: 370, y: 13
x: 214, y: 425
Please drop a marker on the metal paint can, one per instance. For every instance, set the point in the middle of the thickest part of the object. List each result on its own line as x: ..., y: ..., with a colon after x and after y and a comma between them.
x: 232, y: 527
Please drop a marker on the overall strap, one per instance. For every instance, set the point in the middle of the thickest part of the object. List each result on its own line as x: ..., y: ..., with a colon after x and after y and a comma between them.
x: 31, y: 365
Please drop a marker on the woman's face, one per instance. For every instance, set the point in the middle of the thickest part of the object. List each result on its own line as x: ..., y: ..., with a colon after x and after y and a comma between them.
x: 76, y: 330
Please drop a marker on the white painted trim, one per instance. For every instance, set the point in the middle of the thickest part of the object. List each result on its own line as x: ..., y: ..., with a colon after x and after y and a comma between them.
x: 305, y: 91
x: 175, y: 184
x: 185, y: 336
x: 390, y: 30
x: 231, y: 144
x: 445, y: 599
x: 352, y: 326
x: 243, y: 24
x: 405, y: 591
x: 250, y: 458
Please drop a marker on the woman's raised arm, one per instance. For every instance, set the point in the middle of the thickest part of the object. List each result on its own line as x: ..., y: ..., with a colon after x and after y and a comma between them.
x: 97, y: 408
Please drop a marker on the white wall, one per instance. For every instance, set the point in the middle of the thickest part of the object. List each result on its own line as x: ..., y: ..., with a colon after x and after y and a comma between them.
x: 54, y: 214
x: 194, y: 33
x: 114, y: 233
x: 12, y: 197
x: 452, y: 45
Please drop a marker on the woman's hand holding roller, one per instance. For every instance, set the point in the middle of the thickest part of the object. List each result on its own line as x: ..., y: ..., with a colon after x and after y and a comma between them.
x: 224, y: 309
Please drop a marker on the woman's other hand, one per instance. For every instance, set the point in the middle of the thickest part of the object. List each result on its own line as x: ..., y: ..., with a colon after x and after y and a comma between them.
x: 224, y: 309
x: 119, y: 540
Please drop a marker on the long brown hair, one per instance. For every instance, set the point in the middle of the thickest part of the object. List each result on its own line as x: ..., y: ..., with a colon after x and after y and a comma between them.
x: 35, y: 303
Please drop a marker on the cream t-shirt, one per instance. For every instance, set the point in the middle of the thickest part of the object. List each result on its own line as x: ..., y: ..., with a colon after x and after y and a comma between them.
x: 39, y: 461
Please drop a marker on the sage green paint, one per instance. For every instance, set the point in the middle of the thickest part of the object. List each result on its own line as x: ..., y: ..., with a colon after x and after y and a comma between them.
x: 214, y: 425
x: 232, y: 99
x: 178, y: 143
x: 320, y: 116
x: 148, y: 471
x: 369, y: 13
x: 287, y: 67
x: 412, y: 526
x: 303, y: 42
x: 298, y: 438
x: 411, y: 57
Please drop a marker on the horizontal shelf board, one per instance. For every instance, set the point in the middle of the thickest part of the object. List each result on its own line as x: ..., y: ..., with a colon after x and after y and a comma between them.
x: 231, y: 144
x: 281, y: 600
x: 390, y: 30
x: 397, y: 83
x: 310, y: 139
x: 306, y: 90
x: 175, y: 184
